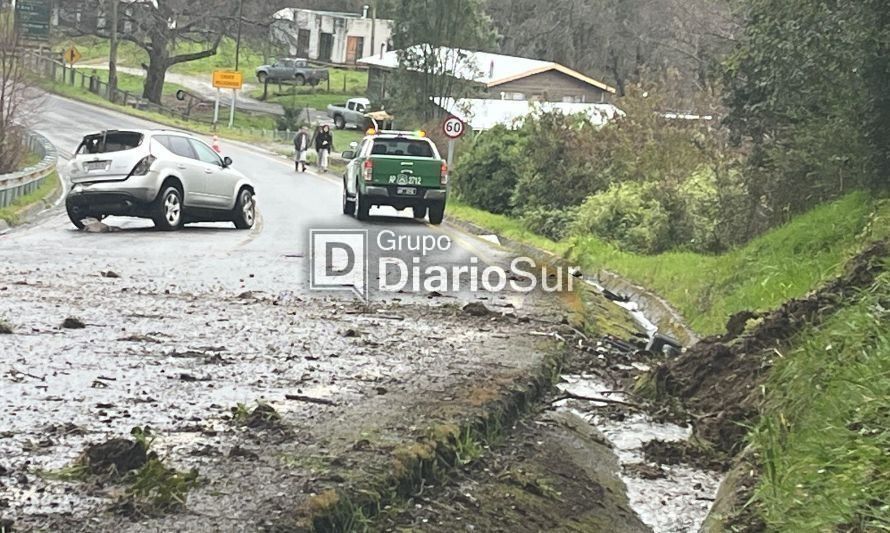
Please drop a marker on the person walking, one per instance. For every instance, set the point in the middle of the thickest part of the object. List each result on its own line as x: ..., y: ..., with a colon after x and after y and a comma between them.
x: 301, y: 149
x: 324, y: 144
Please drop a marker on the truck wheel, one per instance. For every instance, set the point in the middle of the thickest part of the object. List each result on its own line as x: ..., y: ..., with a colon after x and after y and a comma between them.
x: 245, y: 210
x: 363, y: 206
x: 348, y: 205
x: 261, y: 77
x: 437, y: 213
x: 299, y: 79
x: 419, y: 211
x: 339, y: 122
x: 167, y: 210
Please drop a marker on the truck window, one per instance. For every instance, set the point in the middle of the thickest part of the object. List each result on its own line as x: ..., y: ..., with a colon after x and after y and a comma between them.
x: 409, y: 147
x: 350, y: 106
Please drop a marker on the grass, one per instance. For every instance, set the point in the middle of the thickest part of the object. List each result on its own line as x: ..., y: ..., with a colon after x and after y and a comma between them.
x: 784, y: 263
x: 130, y: 82
x: 12, y: 212
x: 345, y: 84
x: 95, y: 49
x: 242, y: 119
x: 824, y: 437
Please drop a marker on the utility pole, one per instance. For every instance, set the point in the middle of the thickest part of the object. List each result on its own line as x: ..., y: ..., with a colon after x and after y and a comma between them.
x: 373, y: 26
x: 237, y: 59
x: 112, y: 53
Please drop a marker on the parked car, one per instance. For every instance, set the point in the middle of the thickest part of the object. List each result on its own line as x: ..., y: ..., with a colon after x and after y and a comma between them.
x: 171, y: 177
x: 292, y: 70
x: 398, y: 169
x: 352, y: 112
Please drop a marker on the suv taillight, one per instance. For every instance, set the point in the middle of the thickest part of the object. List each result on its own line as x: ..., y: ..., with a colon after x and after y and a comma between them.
x: 143, y: 167
x: 368, y: 170
x: 443, y: 178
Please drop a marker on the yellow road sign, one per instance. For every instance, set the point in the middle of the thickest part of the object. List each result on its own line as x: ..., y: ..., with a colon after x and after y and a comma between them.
x: 227, y: 79
x: 72, y: 55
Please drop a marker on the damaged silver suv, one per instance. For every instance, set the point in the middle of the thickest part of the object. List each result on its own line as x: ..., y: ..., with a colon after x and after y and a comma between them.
x: 171, y: 177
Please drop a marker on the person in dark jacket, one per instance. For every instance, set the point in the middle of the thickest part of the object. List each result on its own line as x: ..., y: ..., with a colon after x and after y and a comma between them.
x: 301, y: 149
x: 324, y: 145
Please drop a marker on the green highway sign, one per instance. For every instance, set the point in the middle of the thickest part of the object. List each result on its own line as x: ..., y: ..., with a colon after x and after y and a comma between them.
x: 32, y: 18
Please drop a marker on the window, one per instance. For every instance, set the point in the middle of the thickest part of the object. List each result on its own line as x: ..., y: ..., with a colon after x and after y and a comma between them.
x: 577, y: 99
x: 513, y: 96
x: 205, y: 153
x: 178, y: 145
x: 109, y: 141
x: 396, y: 146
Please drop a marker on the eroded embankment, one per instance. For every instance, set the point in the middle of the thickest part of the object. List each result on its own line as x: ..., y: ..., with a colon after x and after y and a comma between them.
x: 719, y: 383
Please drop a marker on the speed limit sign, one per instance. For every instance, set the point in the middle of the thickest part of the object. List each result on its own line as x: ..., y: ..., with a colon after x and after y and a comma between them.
x: 453, y: 127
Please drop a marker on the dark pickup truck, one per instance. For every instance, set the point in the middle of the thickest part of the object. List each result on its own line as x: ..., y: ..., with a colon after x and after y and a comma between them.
x: 295, y: 71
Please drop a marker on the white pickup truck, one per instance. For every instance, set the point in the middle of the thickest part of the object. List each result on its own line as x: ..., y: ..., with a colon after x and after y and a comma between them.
x: 350, y: 113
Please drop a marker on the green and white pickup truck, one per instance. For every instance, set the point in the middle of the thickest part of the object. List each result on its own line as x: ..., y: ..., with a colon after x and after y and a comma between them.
x: 398, y: 169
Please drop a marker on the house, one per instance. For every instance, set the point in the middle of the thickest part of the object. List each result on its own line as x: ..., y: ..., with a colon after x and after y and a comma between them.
x: 497, y: 76
x: 482, y: 114
x: 330, y: 36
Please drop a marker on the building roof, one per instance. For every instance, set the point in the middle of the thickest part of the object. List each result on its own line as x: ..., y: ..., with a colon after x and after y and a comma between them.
x: 483, y: 67
x: 289, y: 13
x: 483, y: 114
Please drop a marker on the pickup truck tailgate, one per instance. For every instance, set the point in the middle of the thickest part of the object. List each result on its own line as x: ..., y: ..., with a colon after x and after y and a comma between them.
x: 406, y: 170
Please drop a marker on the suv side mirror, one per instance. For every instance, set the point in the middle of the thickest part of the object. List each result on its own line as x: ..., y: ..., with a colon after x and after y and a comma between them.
x: 227, y: 161
x: 348, y: 154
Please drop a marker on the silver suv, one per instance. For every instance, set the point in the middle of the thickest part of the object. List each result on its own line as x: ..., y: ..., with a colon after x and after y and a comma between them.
x: 170, y: 177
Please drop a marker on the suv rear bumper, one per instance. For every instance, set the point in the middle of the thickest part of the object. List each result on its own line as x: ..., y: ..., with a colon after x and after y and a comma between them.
x: 387, y: 195
x: 117, y: 203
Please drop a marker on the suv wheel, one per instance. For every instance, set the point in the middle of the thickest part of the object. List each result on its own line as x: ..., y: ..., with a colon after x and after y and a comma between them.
x: 75, y: 216
x: 348, y: 205
x: 363, y: 207
x: 437, y: 213
x: 167, y: 210
x: 245, y: 210
x: 419, y: 211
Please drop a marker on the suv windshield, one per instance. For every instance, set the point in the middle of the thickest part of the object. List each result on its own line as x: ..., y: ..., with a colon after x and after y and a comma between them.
x: 398, y: 146
x: 109, y: 141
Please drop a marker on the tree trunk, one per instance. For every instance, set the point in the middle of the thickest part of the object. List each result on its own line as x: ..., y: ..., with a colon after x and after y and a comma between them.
x: 154, y: 76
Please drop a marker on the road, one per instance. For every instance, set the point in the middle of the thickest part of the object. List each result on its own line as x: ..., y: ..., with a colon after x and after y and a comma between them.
x: 180, y: 327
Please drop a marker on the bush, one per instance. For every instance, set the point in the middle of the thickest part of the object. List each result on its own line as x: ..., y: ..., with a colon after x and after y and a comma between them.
x: 551, y: 223
x: 485, y: 175
x: 628, y: 214
x: 293, y: 119
x: 716, y: 208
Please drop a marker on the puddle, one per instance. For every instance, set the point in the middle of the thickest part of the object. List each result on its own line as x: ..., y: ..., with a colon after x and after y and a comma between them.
x: 680, y: 501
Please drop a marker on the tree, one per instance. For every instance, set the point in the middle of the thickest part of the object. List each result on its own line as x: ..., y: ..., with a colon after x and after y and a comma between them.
x: 423, y: 28
x: 160, y: 27
x: 17, y: 102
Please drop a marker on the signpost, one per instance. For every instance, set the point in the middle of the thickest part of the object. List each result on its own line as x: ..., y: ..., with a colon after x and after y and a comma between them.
x: 32, y: 18
x: 227, y: 79
x: 454, y: 128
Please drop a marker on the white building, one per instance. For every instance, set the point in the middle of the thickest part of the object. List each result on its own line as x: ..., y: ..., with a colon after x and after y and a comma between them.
x: 483, y: 114
x: 330, y: 36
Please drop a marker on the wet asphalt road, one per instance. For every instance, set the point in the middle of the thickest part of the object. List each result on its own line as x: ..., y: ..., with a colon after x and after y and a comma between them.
x: 210, y: 316
x: 290, y: 204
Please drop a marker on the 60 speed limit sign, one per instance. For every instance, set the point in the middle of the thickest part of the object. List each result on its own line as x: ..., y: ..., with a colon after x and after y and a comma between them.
x: 453, y: 127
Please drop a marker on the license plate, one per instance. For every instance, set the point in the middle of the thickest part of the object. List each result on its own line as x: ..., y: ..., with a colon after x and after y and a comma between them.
x: 96, y: 165
x: 406, y: 191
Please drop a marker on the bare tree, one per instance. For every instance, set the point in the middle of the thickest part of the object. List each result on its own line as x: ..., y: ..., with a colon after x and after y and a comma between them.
x: 17, y: 101
x: 158, y: 27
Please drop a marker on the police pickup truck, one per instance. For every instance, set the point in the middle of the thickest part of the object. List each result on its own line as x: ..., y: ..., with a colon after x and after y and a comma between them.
x: 399, y: 169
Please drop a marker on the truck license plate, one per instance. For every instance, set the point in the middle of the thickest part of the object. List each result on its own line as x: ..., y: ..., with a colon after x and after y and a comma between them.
x: 406, y: 191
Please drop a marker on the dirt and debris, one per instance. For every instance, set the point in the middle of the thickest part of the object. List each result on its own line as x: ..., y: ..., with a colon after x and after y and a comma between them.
x: 5, y: 329
x: 683, y: 452
x: 73, y: 323
x: 115, y: 457
x: 717, y: 379
x: 477, y: 309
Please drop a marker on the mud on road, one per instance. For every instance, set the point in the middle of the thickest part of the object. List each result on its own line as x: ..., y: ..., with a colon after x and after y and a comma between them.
x: 93, y: 355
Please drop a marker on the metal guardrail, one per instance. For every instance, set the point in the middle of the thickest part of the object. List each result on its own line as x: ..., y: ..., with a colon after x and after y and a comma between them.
x: 17, y: 184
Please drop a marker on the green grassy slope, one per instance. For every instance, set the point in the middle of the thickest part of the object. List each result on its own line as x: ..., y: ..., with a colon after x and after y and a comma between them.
x: 824, y: 437
x: 784, y: 263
